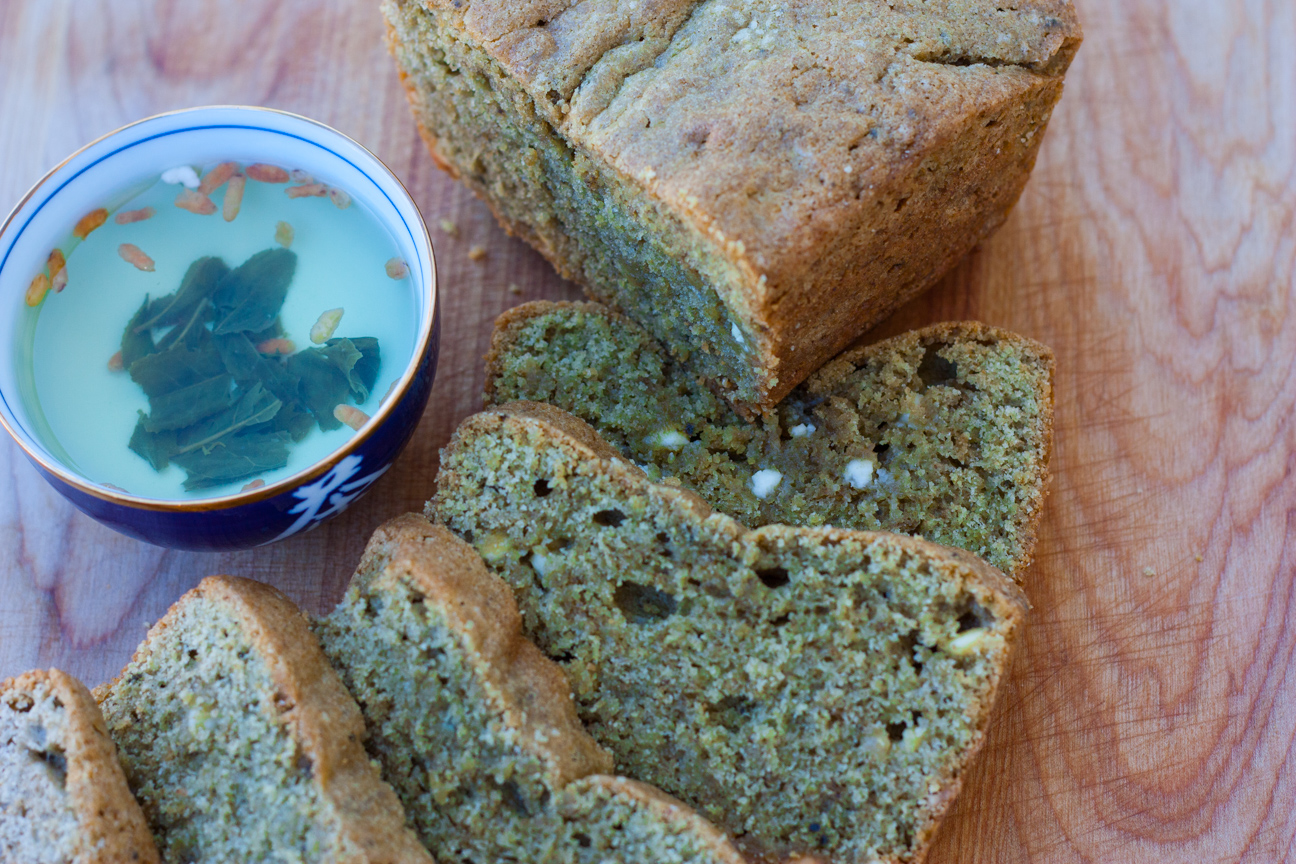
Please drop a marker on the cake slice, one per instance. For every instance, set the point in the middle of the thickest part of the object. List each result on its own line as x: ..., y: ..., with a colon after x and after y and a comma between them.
x: 63, y: 797
x: 810, y: 690
x: 943, y: 432
x: 476, y: 729
x: 756, y: 183
x: 241, y: 743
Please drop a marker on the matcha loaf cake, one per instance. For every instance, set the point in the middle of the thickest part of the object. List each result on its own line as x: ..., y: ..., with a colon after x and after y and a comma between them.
x: 943, y: 432
x: 63, y: 797
x: 476, y: 729
x: 241, y: 743
x: 757, y: 183
x: 810, y: 690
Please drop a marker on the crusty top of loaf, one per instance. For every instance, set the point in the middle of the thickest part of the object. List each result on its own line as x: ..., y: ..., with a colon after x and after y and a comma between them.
x: 769, y: 123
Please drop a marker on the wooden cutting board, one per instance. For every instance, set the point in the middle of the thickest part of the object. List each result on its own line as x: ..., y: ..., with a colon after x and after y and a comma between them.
x: 1151, y: 713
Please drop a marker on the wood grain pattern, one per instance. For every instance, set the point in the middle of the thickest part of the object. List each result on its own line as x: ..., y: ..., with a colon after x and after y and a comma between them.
x: 1151, y: 715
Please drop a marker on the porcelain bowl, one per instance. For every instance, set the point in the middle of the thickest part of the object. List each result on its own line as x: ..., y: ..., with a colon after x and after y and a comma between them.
x: 203, y: 136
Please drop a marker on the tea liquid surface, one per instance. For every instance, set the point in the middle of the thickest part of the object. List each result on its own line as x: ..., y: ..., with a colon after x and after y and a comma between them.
x: 341, y: 263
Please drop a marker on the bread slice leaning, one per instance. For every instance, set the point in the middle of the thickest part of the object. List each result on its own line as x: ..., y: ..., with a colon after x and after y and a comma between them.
x: 241, y: 742
x: 811, y: 690
x: 63, y: 797
x: 476, y: 729
x: 943, y: 432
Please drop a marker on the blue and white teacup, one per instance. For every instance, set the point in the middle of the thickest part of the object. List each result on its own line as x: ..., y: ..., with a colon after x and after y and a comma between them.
x: 201, y: 136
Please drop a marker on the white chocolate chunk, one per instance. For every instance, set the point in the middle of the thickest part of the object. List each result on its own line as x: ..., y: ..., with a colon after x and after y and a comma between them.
x: 877, y: 743
x: 494, y: 547
x: 965, y: 643
x: 668, y: 438
x: 764, y: 482
x: 859, y: 473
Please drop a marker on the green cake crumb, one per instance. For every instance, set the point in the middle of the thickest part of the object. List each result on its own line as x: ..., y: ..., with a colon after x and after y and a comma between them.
x: 475, y: 729
x: 942, y: 433
x: 811, y: 690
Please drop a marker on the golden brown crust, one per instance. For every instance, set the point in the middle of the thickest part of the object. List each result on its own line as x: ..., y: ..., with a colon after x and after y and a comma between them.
x: 316, y: 710
x: 112, y: 826
x: 529, y: 689
x: 694, y: 63
x: 577, y: 430
x: 837, y: 176
x: 983, y: 164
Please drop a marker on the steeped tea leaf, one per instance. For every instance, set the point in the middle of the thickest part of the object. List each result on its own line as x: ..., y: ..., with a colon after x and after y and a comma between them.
x: 322, y: 387
x: 156, y: 447
x: 279, y: 380
x: 274, y: 331
x: 364, y: 374
x: 342, y: 353
x: 199, y: 283
x: 191, y: 332
x: 293, y: 420
x: 167, y: 371
x: 250, y: 295
x: 219, y: 408
x: 136, y: 345
x: 188, y: 405
x: 239, y: 355
x: 325, y: 376
x: 253, y: 407
x: 234, y: 458
x: 245, y: 364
